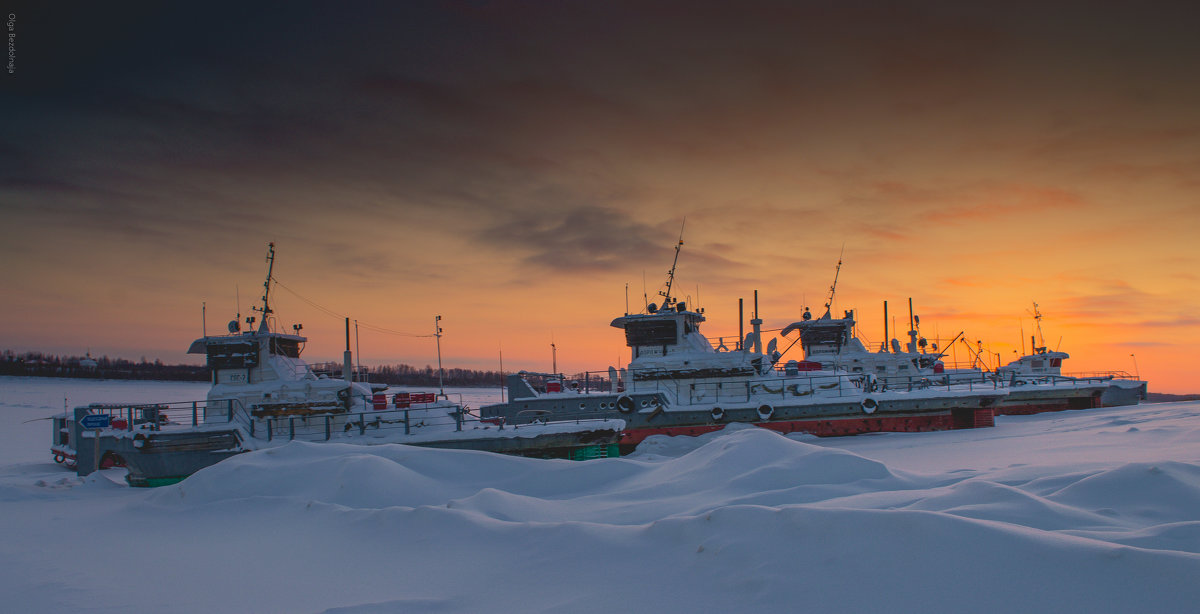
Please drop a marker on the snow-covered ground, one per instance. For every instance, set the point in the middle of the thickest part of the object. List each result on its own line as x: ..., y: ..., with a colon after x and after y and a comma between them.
x: 1088, y: 511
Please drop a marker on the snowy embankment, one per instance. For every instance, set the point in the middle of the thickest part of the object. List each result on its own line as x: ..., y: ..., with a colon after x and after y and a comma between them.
x: 1095, y: 510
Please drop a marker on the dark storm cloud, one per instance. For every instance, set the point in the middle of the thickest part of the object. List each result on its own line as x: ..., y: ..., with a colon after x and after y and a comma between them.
x: 580, y: 238
x: 517, y: 118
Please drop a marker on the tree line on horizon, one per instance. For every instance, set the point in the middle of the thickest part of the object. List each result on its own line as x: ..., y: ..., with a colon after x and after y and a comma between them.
x: 38, y: 364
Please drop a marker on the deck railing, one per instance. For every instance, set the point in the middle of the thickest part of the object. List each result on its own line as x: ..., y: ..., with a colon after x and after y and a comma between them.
x: 318, y: 426
x: 154, y: 416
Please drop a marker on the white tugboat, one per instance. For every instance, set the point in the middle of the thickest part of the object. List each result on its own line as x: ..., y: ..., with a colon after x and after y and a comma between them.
x: 1035, y: 383
x: 677, y: 383
x: 264, y: 395
x: 1044, y: 365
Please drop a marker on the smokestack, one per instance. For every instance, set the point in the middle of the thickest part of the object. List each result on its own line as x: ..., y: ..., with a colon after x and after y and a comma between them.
x: 756, y: 322
x: 885, y: 327
x: 347, y: 369
x: 741, y: 324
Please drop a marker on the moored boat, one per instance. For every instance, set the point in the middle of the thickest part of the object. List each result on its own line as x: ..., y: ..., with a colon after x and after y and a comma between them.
x: 1043, y: 366
x: 677, y: 383
x: 1034, y: 384
x: 265, y: 395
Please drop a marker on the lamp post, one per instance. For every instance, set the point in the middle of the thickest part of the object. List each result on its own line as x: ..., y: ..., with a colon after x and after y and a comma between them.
x: 437, y: 332
x: 1136, y: 373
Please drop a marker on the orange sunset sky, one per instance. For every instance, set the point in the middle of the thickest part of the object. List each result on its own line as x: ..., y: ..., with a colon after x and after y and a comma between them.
x: 511, y: 166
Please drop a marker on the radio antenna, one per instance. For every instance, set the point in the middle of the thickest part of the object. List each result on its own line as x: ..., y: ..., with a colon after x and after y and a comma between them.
x: 645, y: 297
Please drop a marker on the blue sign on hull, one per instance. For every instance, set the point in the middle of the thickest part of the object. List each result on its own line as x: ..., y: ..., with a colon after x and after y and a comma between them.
x: 96, y: 421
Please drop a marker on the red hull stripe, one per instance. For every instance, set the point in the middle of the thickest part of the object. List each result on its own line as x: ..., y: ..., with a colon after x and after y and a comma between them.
x: 832, y: 428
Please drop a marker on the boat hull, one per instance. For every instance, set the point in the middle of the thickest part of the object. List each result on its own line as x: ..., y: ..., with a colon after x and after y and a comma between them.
x: 159, y: 458
x: 961, y: 418
x: 1025, y: 401
x: 1124, y: 392
x: 651, y: 413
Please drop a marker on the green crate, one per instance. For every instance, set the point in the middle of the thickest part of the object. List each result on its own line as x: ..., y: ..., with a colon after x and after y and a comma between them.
x: 597, y: 451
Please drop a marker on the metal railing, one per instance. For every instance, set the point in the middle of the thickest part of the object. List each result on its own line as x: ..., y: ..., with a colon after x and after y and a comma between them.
x: 154, y: 416
x: 681, y: 388
x: 1102, y: 374
x: 391, y: 423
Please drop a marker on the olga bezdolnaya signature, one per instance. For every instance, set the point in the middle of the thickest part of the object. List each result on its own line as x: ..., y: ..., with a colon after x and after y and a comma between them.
x: 12, y: 43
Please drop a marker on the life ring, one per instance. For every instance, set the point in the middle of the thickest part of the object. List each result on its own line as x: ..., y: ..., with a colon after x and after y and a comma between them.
x: 869, y: 405
x: 59, y: 458
x: 717, y: 413
x: 625, y: 404
x: 110, y: 460
x: 765, y: 411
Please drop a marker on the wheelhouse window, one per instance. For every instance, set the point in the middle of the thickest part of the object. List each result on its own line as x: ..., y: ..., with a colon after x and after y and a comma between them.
x: 238, y: 355
x: 285, y: 347
x: 823, y: 335
x: 660, y: 332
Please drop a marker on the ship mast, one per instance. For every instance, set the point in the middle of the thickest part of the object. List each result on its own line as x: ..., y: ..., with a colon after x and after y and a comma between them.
x: 266, y: 308
x: 833, y: 287
x: 1037, y: 317
x: 666, y: 294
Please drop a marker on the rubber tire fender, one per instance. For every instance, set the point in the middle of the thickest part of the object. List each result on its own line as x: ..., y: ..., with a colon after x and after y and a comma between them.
x: 625, y: 404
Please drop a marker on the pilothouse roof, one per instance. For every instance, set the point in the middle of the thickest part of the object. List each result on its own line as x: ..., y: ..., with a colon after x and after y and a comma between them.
x: 200, y: 345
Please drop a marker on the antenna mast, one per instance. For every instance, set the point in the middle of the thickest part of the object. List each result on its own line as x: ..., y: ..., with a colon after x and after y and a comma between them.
x: 833, y: 287
x: 1037, y: 317
x: 671, y: 274
x: 266, y: 308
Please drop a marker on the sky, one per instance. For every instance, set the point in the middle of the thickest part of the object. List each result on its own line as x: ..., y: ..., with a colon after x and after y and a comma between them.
x: 524, y: 170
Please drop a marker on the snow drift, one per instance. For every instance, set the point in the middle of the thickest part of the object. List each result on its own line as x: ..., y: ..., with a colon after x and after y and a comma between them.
x: 1070, y: 512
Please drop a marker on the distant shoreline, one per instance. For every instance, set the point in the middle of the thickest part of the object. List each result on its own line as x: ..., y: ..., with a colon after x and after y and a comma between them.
x: 1163, y: 397
x: 37, y: 364
x: 1153, y: 397
x: 205, y: 381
